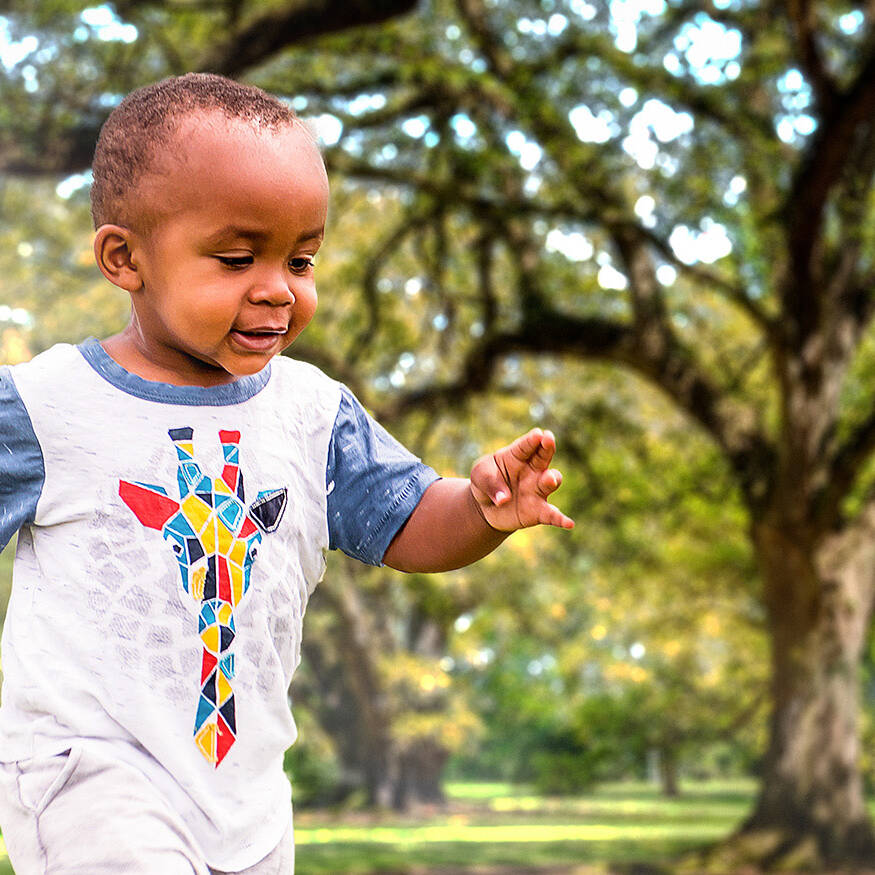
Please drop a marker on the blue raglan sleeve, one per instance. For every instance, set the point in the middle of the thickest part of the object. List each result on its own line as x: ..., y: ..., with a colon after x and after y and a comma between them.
x: 373, y: 483
x: 22, y: 472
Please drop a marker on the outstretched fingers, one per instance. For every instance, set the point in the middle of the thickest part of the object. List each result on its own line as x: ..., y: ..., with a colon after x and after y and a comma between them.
x: 536, y: 448
x: 549, y: 482
x: 513, y: 485
x: 551, y: 516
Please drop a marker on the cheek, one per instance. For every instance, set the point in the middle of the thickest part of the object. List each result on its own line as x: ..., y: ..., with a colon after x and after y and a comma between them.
x: 209, y: 305
x: 304, y: 310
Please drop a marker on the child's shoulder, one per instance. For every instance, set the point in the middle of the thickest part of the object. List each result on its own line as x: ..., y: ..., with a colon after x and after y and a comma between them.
x: 57, y: 366
x: 55, y: 358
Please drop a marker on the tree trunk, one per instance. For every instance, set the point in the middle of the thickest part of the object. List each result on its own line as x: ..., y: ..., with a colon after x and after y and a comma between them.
x: 381, y: 772
x: 394, y: 774
x: 422, y: 766
x: 351, y: 711
x: 819, y: 599
x: 668, y: 772
x: 374, y: 752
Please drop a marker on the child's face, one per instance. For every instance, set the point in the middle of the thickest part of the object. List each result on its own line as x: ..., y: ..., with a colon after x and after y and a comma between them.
x: 237, y: 215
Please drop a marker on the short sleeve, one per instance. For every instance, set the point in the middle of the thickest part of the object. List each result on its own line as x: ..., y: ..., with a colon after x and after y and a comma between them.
x: 22, y: 472
x: 373, y: 483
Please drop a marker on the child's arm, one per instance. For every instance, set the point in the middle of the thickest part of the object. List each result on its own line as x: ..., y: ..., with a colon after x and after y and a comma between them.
x: 459, y: 521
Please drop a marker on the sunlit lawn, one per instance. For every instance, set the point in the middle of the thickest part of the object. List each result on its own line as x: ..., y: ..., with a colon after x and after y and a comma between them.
x: 496, y: 825
x: 490, y: 827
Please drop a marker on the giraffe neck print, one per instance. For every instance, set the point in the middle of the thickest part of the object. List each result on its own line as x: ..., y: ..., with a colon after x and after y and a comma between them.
x: 215, y: 540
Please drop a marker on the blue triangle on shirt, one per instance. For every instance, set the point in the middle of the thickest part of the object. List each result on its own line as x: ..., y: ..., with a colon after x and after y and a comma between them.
x: 204, y: 709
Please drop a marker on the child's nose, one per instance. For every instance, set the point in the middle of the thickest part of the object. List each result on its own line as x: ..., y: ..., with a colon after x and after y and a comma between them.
x: 272, y: 288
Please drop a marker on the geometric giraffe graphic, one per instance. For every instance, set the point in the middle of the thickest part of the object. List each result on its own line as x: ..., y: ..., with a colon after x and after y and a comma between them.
x: 215, y: 539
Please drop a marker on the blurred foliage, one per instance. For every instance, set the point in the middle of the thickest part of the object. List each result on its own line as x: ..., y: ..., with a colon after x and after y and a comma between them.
x: 644, y: 635
x: 47, y: 268
x: 311, y: 764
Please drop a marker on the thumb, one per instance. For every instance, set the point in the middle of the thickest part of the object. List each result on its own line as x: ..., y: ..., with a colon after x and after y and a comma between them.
x: 488, y: 482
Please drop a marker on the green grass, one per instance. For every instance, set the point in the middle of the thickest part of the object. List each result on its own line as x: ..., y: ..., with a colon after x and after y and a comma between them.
x: 5, y: 865
x: 498, y: 826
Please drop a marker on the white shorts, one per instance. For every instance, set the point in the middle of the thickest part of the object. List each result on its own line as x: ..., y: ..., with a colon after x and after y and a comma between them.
x: 65, y: 815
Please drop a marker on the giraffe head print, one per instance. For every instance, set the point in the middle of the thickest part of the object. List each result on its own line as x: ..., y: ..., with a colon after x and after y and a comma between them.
x: 214, y: 537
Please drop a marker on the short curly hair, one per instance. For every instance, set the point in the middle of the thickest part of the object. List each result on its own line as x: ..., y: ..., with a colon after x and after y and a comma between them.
x: 149, y: 117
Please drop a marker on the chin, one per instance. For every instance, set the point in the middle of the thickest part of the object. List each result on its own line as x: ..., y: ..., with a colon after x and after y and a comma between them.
x: 247, y: 369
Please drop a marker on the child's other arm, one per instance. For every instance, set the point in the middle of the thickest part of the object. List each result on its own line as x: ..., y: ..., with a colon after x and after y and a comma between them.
x: 22, y: 467
x: 459, y: 521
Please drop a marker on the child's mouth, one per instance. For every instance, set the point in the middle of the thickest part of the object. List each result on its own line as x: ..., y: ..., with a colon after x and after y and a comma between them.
x: 257, y: 340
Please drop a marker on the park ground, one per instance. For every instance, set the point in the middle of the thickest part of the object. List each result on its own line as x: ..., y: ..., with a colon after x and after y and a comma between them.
x: 499, y: 829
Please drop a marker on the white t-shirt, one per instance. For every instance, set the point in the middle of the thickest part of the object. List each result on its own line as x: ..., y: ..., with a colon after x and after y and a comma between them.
x: 169, y: 538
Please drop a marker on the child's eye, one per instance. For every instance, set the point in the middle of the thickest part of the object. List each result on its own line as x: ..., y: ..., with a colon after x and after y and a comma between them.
x: 300, y: 265
x: 235, y: 261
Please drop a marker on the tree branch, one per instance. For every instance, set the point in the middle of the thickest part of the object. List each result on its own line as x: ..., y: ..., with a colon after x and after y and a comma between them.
x: 485, y: 248
x: 515, y: 203
x: 846, y: 465
x: 600, y: 337
x: 73, y: 149
x: 468, y: 191
x: 473, y: 12
x: 279, y: 28
x: 815, y: 179
x: 648, y: 303
x: 669, y: 367
x: 736, y: 116
x: 413, y: 220
x: 328, y: 89
x: 732, y: 292
x: 803, y: 20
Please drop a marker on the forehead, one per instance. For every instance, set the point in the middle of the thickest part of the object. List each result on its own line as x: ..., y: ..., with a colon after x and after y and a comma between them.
x: 221, y: 164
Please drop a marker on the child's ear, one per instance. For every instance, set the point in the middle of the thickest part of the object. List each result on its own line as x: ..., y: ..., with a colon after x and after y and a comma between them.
x: 112, y: 251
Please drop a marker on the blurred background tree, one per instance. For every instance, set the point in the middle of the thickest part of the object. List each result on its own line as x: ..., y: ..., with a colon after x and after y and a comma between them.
x: 523, y: 189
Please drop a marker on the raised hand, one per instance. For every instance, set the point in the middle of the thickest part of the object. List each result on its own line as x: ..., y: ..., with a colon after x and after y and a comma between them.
x: 511, y: 487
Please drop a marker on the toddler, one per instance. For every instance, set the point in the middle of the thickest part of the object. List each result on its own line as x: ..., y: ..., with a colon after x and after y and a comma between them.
x: 175, y: 488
